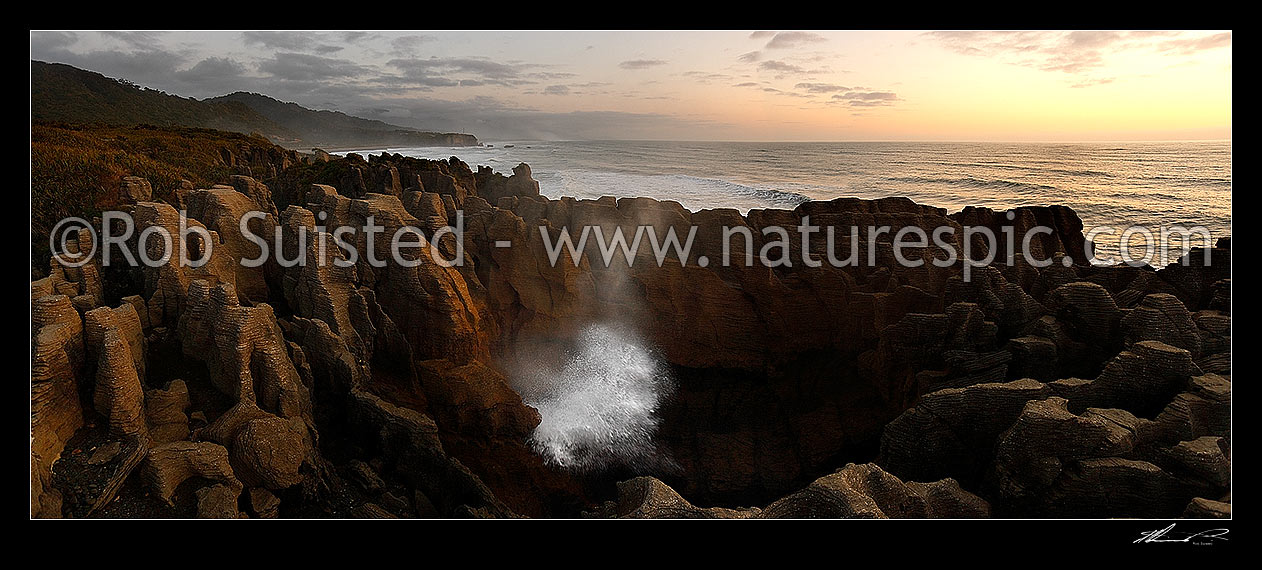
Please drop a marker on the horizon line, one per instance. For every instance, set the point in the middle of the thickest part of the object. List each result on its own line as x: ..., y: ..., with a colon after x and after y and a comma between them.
x: 998, y: 141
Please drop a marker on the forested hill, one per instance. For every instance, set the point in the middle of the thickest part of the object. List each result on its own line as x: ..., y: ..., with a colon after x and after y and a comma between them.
x: 67, y: 94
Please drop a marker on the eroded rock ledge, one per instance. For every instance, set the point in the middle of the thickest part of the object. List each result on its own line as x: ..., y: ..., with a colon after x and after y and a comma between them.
x: 365, y: 391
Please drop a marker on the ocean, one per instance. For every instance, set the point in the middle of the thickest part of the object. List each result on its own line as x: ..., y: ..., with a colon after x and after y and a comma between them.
x: 1111, y: 184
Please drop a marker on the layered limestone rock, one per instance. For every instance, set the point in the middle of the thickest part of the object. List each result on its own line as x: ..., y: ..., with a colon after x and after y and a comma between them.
x: 1204, y: 409
x: 167, y: 285
x: 1201, y: 508
x: 714, y: 316
x: 649, y: 498
x: 1116, y: 487
x: 256, y: 191
x: 855, y: 491
x: 125, y: 324
x: 952, y: 432
x: 1204, y: 463
x: 1196, y: 275
x: 937, y: 351
x: 243, y: 349
x: 170, y: 464
x: 1003, y: 302
x: 166, y: 412
x: 485, y: 424
x: 1061, y: 390
x: 867, y: 491
x: 136, y: 189
x: 442, y: 314
x: 1141, y: 379
x: 222, y: 210
x: 78, y: 279
x: 57, y: 359
x: 120, y: 396
x: 269, y: 430
x: 492, y: 186
x: 1068, y: 448
x: 1048, y: 443
x: 408, y: 440
x: 1064, y: 239
x: 1162, y: 317
x: 218, y: 502
x: 322, y: 288
x: 269, y: 451
x: 1086, y: 325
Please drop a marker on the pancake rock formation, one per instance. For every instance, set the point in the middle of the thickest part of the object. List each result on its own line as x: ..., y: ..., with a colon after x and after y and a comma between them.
x: 356, y: 389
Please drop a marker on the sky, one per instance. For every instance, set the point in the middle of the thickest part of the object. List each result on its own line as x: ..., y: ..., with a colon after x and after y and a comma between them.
x: 755, y: 85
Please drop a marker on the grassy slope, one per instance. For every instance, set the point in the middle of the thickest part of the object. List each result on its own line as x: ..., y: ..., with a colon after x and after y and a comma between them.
x: 77, y: 170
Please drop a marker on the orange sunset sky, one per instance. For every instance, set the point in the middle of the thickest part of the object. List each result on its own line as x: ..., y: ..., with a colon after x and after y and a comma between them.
x: 705, y: 85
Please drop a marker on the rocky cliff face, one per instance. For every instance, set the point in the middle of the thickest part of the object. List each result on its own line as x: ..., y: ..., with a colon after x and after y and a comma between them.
x: 321, y: 390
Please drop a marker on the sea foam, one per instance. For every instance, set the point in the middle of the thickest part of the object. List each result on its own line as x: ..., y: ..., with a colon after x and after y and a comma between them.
x: 600, y: 408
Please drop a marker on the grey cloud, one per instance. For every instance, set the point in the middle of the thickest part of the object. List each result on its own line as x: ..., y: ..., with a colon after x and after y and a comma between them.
x: 783, y: 69
x: 44, y: 42
x: 287, y: 41
x: 152, y: 67
x: 750, y: 57
x: 212, y: 72
x: 705, y: 77
x: 450, y: 71
x: 292, y: 41
x: 586, y: 88
x: 1074, y: 53
x: 785, y: 40
x: 821, y: 87
x: 746, y: 84
x: 1071, y: 52
x: 405, y: 45
x: 761, y: 34
x: 550, y: 75
x: 867, y: 98
x: 1092, y: 39
x: 391, y: 90
x: 641, y: 63
x: 978, y: 43
x: 171, y: 71
x: 1189, y: 46
x: 421, y: 81
x: 136, y: 40
x: 306, y: 67
x: 482, y: 67
x: 1093, y: 82
x: 780, y: 66
x: 359, y: 37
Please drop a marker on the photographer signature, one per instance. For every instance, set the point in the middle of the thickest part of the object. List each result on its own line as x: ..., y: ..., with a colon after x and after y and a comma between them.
x: 1165, y: 535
